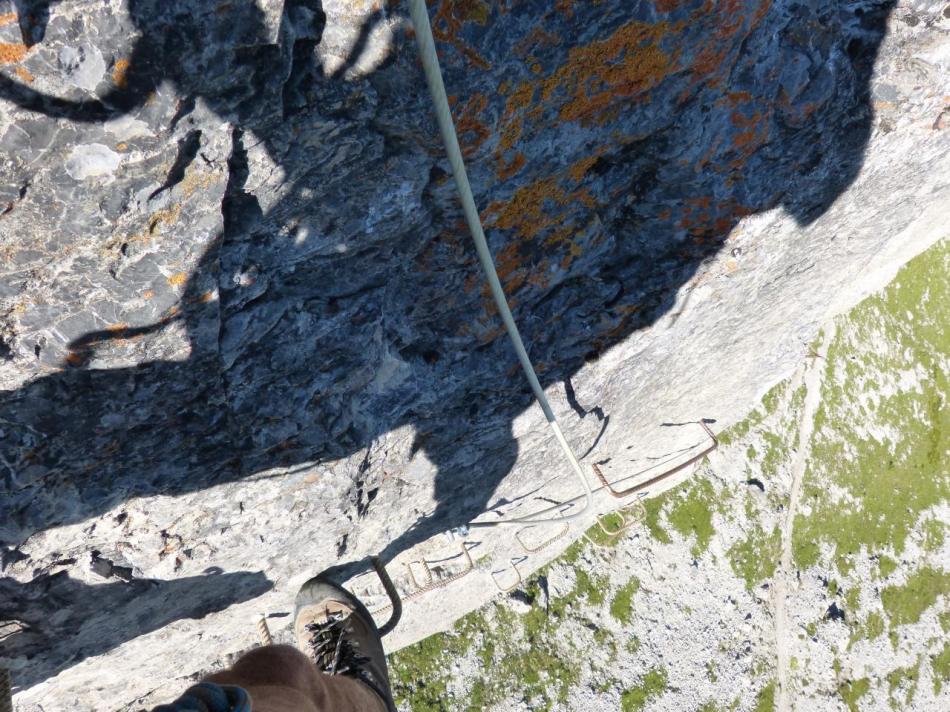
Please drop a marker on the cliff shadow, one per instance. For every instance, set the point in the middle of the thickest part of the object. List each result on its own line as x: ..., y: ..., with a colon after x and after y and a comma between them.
x: 612, y: 150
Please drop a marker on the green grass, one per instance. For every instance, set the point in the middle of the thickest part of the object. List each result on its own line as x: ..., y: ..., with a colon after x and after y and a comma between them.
x: 890, y: 458
x: 852, y: 691
x: 886, y: 566
x: 902, y: 678
x: 765, y: 700
x: 654, y: 510
x: 636, y: 698
x: 906, y: 604
x: 940, y: 664
x: 691, y: 513
x: 621, y: 607
x: 871, y: 628
x: 755, y: 557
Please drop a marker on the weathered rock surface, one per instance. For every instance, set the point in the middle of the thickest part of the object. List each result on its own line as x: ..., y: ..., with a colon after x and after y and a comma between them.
x: 241, y: 325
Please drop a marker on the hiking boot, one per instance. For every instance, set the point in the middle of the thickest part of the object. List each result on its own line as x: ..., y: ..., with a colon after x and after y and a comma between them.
x: 339, y: 635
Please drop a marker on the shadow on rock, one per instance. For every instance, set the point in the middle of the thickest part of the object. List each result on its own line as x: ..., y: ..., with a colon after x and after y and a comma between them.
x: 612, y: 149
x: 54, y: 621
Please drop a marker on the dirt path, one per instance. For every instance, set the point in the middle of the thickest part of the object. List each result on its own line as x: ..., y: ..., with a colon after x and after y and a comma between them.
x: 785, y: 576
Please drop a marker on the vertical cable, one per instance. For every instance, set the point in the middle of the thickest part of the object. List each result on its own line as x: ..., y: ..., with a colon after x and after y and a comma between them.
x: 443, y: 114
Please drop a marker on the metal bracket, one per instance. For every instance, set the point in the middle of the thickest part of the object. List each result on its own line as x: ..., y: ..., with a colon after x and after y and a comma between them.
x: 432, y: 584
x: 640, y: 486
x: 518, y: 582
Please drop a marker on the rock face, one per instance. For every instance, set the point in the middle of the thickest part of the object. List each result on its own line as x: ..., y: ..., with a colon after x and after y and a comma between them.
x: 241, y: 324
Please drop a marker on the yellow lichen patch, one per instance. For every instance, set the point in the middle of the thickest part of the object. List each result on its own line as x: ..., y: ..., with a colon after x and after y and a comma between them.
x: 11, y: 53
x: 595, y: 76
x: 163, y: 217
x: 194, y: 181
x: 24, y: 75
x: 120, y: 73
x: 178, y: 279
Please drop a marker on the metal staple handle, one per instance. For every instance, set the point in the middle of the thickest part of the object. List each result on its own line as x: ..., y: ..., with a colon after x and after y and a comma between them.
x: 512, y: 587
x: 394, y: 597
x: 640, y: 486
x: 537, y: 547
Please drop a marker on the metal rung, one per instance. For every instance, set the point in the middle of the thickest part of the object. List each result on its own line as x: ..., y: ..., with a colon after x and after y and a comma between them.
x: 536, y: 548
x: 518, y: 582
x: 640, y: 486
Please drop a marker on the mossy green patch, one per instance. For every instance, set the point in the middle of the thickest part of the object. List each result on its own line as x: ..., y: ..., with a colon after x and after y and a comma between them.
x: 654, y: 510
x: 853, y: 690
x: 755, y: 558
x: 523, y: 651
x: 934, y: 534
x: 940, y: 665
x: 609, y: 531
x: 691, y: 513
x: 871, y: 628
x: 882, y: 429
x: 769, y: 404
x: 418, y: 673
x: 636, y: 698
x: 901, y: 686
x: 621, y: 607
x: 852, y: 601
x: 886, y: 566
x: 907, y: 603
x: 765, y: 700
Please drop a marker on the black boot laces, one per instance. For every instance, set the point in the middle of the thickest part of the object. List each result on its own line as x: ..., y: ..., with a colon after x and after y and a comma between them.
x: 331, y: 651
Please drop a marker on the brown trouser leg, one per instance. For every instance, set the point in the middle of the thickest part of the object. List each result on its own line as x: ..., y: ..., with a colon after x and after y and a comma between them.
x: 279, y: 678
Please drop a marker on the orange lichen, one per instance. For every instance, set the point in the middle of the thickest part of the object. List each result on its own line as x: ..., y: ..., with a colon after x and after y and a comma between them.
x: 579, y: 169
x: 163, y: 217
x: 178, y: 279
x: 537, y: 38
x: 11, y: 53
x: 120, y: 73
x: 508, y: 170
x: 447, y: 26
x: 471, y: 129
x: 7, y: 18
x: 24, y: 75
x: 595, y: 76
x: 148, y: 294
